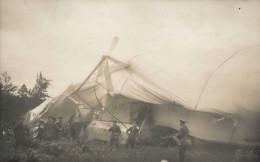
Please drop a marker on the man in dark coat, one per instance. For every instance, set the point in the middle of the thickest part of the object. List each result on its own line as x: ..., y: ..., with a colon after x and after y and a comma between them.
x: 20, y: 134
x: 115, y: 134
x: 132, y: 133
x: 60, y: 127
x: 40, y: 130
x: 51, y: 129
x: 183, y: 136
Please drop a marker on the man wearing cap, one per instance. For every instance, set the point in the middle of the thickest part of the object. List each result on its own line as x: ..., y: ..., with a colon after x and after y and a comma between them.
x: 20, y: 132
x: 40, y: 130
x: 183, y: 136
x: 132, y: 133
x: 51, y: 128
x: 115, y: 133
x: 60, y: 126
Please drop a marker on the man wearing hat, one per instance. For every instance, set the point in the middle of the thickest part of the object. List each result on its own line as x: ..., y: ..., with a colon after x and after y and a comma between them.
x: 20, y: 134
x: 183, y: 136
x: 51, y: 128
x: 132, y: 133
x: 40, y: 130
x: 115, y: 133
x: 60, y: 126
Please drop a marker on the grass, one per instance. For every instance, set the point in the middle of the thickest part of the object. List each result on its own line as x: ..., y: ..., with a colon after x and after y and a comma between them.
x: 98, y: 151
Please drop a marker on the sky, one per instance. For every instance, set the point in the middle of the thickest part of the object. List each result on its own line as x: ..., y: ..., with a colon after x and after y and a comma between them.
x: 66, y: 39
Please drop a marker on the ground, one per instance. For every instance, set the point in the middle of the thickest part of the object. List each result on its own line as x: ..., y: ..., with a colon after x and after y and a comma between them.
x: 99, y: 151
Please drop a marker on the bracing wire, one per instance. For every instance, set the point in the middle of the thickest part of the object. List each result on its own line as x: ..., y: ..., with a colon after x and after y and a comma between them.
x: 104, y: 106
x: 211, y: 74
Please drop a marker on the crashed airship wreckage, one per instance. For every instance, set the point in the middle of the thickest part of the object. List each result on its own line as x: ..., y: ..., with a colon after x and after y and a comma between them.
x: 219, y: 97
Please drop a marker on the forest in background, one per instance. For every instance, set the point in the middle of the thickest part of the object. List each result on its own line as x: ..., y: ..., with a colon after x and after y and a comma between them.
x: 16, y: 101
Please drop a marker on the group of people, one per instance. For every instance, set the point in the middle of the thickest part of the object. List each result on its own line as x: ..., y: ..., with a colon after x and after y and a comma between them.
x: 56, y: 129
x: 182, y: 137
x: 132, y: 133
x: 51, y: 130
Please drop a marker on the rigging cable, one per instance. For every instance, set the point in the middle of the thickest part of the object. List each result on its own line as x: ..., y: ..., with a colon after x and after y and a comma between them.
x: 104, y: 106
x: 211, y: 74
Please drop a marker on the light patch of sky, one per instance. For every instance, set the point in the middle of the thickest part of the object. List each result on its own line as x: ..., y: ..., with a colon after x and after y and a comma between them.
x: 65, y: 40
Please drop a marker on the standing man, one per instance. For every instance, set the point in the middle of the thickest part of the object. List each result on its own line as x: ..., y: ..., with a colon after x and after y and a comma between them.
x: 51, y: 128
x: 20, y: 134
x: 60, y: 127
x: 183, y: 136
x: 132, y: 133
x: 115, y: 133
x: 40, y: 130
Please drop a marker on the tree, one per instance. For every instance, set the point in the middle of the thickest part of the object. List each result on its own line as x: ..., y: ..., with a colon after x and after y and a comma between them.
x: 5, y: 84
x: 24, y: 92
x: 39, y: 91
x: 13, y: 103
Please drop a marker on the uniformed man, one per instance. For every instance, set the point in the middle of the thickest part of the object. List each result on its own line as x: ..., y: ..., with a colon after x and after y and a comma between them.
x: 83, y: 134
x: 20, y: 133
x: 115, y: 134
x: 51, y: 128
x: 132, y: 133
x: 60, y: 126
x: 40, y: 130
x: 183, y: 136
x: 73, y: 132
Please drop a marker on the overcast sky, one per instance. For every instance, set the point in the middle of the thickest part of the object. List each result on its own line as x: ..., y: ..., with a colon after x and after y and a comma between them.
x: 65, y: 39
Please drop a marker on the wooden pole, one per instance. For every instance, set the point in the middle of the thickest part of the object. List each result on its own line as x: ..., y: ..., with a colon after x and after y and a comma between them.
x: 100, y: 62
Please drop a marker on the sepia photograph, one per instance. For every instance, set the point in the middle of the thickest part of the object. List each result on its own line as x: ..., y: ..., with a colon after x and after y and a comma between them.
x: 129, y: 81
